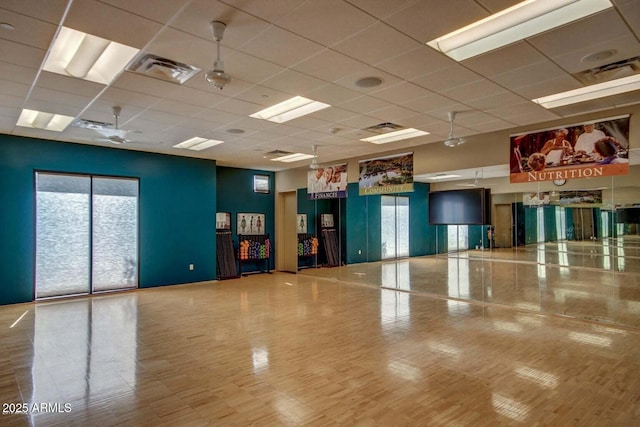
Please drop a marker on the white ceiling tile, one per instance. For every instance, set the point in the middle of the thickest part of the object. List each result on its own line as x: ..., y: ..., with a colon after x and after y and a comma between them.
x: 393, y: 114
x: 159, y: 11
x: 594, y: 29
x: 293, y: 82
x: 514, y: 56
x: 330, y: 65
x: 381, y: 8
x: 447, y: 78
x: 14, y: 89
x: 28, y: 31
x: 401, y: 93
x: 241, y: 27
x: 363, y: 104
x: 431, y: 103
x: 499, y: 99
x: 539, y: 72
x: 310, y: 21
x: 376, y: 43
x: 425, y: 20
x: 474, y: 90
x: 281, y: 47
x: 102, y: 20
x: 334, y: 94
x: 547, y: 87
x: 249, y: 68
x: 416, y: 62
x: 151, y: 86
x: 625, y: 47
x: 69, y: 84
x: 49, y: 11
x: 18, y: 54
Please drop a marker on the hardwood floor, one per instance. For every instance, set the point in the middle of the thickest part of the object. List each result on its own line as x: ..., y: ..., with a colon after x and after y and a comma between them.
x: 481, y: 342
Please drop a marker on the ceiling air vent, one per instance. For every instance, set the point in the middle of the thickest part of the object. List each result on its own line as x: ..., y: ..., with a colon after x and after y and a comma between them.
x: 616, y: 70
x: 276, y: 153
x: 163, y: 69
x: 383, y: 128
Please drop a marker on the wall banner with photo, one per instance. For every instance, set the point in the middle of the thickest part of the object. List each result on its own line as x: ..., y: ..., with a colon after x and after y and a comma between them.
x: 583, y: 150
x: 327, y: 182
x: 384, y: 175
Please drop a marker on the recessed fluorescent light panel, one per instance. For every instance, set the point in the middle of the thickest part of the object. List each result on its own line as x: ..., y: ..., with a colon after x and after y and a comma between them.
x: 513, y: 24
x: 290, y: 109
x: 42, y: 120
x: 600, y: 90
x: 293, y: 157
x: 443, y: 176
x: 87, y: 57
x: 198, y: 144
x: 395, y: 136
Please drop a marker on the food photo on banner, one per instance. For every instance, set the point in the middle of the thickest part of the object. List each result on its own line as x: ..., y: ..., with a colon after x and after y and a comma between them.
x: 327, y: 182
x: 383, y: 175
x: 583, y: 150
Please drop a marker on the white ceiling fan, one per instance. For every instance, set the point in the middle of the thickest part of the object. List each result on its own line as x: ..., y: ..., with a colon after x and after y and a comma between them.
x: 452, y: 141
x: 314, y: 160
x: 217, y: 77
x: 114, y: 134
x: 470, y: 184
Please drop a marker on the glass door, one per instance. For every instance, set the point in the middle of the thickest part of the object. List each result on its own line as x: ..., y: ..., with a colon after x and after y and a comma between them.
x: 63, y: 236
x: 394, y: 230
x: 114, y: 234
x: 86, y: 234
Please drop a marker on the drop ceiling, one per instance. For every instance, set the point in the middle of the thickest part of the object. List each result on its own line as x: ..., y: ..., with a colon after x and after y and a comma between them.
x: 318, y: 49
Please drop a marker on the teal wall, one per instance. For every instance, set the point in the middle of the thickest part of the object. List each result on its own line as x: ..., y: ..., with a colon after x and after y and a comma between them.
x: 363, y: 225
x: 550, y: 228
x: 235, y: 194
x: 177, y: 209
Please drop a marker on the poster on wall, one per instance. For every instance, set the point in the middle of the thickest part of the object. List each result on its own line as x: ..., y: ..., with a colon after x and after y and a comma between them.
x: 383, y: 175
x: 536, y: 199
x: 250, y: 223
x: 327, y: 182
x: 583, y: 150
x: 223, y: 221
x: 578, y: 198
x: 301, y: 223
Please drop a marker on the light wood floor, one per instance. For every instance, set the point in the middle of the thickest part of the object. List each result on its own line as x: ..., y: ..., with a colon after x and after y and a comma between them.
x: 288, y: 349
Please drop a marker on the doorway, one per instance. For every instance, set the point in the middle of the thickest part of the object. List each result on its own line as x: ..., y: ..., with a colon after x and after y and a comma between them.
x: 503, y: 226
x: 583, y: 223
x: 394, y: 227
x: 86, y: 234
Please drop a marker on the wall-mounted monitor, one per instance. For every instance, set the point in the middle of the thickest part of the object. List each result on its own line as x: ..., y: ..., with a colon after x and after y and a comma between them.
x: 469, y: 206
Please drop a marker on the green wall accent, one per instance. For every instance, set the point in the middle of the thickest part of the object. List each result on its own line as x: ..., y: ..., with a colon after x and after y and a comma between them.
x: 235, y: 194
x: 550, y: 228
x: 177, y: 209
x: 530, y: 226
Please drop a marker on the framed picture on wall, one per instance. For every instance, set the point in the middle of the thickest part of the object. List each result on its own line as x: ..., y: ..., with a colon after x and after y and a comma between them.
x: 223, y: 221
x: 326, y: 220
x: 261, y: 184
x: 301, y: 223
x: 251, y: 223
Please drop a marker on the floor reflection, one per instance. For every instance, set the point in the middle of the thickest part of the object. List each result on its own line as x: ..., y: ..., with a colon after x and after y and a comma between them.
x: 593, y: 280
x: 84, y: 349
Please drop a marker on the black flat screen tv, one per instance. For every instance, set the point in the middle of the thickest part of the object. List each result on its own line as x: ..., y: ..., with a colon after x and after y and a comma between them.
x: 470, y: 206
x: 628, y: 215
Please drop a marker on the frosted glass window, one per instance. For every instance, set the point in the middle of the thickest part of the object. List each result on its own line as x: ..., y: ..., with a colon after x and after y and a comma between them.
x: 62, y: 235
x: 394, y: 230
x: 86, y: 234
x: 115, y: 234
x: 457, y: 238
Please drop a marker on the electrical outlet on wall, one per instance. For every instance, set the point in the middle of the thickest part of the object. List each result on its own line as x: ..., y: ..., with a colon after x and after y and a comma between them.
x: 191, y: 267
